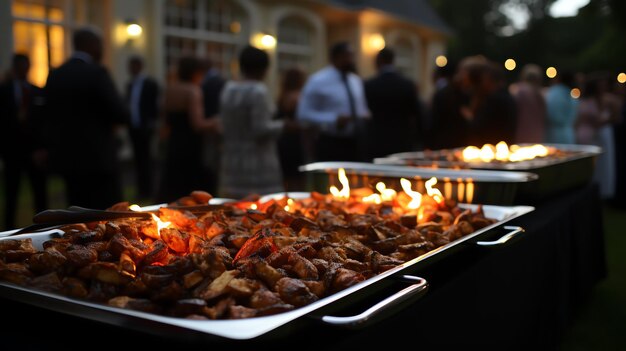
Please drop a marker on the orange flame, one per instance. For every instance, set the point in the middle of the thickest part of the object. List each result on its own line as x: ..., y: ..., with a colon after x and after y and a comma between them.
x: 502, y: 152
x: 160, y: 224
x: 344, y: 193
x: 469, y: 191
x: 374, y: 198
x: 433, y: 192
x: 386, y: 194
x: 416, y: 197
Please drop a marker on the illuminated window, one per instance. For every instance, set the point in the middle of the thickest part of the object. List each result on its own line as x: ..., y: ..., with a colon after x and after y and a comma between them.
x: 39, y: 33
x: 295, y: 44
x: 217, y: 29
x: 42, y: 30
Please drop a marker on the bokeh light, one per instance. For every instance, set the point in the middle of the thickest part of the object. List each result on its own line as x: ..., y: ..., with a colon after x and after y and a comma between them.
x: 621, y: 78
x: 134, y: 30
x: 575, y: 93
x: 441, y: 61
x: 376, y: 42
x: 551, y: 72
x: 510, y: 64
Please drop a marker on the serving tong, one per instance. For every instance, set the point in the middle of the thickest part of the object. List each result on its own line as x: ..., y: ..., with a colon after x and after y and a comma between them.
x: 55, y: 218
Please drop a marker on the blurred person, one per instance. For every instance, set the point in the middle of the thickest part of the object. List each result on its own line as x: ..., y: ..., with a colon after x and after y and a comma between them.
x: 212, y: 86
x: 250, y: 163
x: 619, y: 130
x: 185, y: 124
x: 597, y: 112
x: 493, y: 111
x: 531, y: 106
x: 561, y: 110
x: 450, y: 105
x: 84, y: 110
x: 142, y: 97
x: 393, y: 103
x: 20, y: 143
x: 442, y: 76
x: 442, y: 79
x: 290, y: 145
x: 333, y: 102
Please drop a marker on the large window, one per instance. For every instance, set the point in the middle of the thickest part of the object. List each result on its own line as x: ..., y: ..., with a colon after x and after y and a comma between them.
x: 42, y: 29
x: 295, y: 44
x: 215, y: 29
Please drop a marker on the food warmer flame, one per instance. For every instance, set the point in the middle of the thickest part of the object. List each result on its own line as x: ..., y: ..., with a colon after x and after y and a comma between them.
x: 160, y: 224
x: 386, y: 194
x: 416, y: 197
x: 344, y: 193
x: 502, y: 152
x: 433, y: 192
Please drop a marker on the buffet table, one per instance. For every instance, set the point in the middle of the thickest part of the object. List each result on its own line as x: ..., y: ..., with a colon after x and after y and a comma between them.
x: 523, y: 294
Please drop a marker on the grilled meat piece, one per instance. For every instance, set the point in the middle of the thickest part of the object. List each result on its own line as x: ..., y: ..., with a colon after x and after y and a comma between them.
x: 295, y: 292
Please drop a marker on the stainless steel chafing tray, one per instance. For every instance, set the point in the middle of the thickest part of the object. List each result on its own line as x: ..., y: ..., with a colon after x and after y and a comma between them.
x: 463, y: 185
x: 556, y: 174
x: 243, y: 329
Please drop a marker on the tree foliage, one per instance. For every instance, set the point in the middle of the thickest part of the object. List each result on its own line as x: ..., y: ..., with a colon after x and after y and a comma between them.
x: 592, y: 40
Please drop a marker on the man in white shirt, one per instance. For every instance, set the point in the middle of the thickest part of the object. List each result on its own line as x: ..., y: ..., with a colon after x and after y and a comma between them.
x: 333, y: 104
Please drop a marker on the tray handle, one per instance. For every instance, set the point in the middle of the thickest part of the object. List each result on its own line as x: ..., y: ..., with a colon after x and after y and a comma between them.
x: 514, y: 231
x: 419, y: 285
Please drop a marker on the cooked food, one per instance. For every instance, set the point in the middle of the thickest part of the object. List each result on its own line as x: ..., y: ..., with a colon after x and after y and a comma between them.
x: 240, y: 260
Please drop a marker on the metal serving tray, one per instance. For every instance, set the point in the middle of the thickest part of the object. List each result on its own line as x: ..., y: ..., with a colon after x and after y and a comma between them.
x: 244, y: 329
x: 489, y: 187
x: 555, y: 174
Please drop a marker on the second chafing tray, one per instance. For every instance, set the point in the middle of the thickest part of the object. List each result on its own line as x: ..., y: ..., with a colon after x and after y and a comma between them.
x: 463, y: 185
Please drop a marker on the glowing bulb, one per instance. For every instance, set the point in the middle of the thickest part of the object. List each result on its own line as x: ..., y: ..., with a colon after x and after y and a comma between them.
x: 264, y: 41
x: 376, y: 42
x: 134, y: 30
x: 621, y: 78
x: 551, y: 72
x: 510, y: 64
x: 441, y: 61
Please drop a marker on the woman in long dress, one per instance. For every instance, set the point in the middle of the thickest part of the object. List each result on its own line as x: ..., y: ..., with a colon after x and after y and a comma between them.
x: 185, y: 125
x: 250, y: 163
x: 597, y: 112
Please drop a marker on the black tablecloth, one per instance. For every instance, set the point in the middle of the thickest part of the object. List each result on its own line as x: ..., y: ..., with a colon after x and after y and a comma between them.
x: 521, y: 295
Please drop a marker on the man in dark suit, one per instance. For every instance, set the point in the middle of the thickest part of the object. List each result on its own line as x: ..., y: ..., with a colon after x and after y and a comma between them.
x: 393, y: 102
x: 84, y: 110
x: 212, y: 85
x: 142, y: 95
x: 20, y: 144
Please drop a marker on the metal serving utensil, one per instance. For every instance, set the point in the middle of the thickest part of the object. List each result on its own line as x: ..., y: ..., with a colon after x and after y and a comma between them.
x: 54, y: 218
